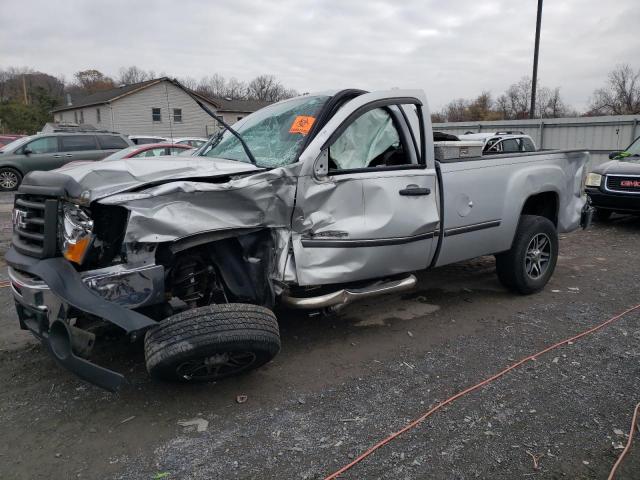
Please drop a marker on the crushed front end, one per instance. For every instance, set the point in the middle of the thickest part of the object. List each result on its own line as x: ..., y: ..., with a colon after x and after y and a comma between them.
x: 70, y: 275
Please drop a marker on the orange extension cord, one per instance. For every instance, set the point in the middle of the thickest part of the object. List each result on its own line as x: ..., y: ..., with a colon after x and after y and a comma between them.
x: 628, y: 445
x: 493, y: 378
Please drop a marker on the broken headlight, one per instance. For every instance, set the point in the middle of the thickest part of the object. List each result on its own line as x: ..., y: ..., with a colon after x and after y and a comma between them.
x: 75, y: 229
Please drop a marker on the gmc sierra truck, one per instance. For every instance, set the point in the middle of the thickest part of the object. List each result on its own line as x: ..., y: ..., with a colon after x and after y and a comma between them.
x: 310, y: 203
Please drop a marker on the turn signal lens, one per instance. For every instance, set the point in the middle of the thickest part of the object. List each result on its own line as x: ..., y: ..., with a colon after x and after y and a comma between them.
x: 74, y: 252
x: 76, y: 232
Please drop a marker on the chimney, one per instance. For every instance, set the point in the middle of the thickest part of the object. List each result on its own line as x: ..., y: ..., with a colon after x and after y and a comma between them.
x: 69, y: 103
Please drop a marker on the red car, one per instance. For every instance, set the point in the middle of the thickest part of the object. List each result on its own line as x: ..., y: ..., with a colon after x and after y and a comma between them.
x: 6, y: 139
x: 137, y: 151
x: 149, y: 150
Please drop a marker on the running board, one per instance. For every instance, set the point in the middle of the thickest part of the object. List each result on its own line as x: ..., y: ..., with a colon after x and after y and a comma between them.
x: 337, y: 300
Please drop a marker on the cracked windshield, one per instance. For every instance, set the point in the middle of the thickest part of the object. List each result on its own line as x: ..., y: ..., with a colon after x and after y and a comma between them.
x: 274, y: 134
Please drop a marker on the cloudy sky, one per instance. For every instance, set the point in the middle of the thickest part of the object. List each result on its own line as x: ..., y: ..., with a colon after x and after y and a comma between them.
x: 452, y: 49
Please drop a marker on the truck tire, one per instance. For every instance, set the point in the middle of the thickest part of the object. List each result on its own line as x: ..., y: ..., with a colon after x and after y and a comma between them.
x: 527, y: 267
x: 10, y: 179
x: 602, y: 215
x: 211, y: 343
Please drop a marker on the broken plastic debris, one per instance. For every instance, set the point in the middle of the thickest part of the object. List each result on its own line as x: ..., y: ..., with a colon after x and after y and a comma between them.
x: 200, y: 423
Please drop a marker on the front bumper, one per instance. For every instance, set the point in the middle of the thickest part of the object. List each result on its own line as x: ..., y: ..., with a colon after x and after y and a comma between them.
x: 48, y: 292
x: 617, y: 202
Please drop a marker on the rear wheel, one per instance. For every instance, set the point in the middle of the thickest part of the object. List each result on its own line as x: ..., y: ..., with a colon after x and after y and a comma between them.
x: 211, y: 343
x: 527, y: 267
x: 10, y: 179
x: 602, y: 215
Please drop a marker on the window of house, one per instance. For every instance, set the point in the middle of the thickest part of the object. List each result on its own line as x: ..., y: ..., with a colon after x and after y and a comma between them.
x: 75, y: 117
x: 98, y: 118
x: 81, y: 116
x: 177, y: 115
x: 156, y: 116
x: 77, y: 143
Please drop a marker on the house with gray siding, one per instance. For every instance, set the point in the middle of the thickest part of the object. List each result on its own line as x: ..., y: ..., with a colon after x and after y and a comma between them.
x: 155, y: 107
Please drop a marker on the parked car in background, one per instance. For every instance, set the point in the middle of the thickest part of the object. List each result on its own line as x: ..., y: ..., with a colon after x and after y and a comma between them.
x: 8, y: 138
x: 614, y: 186
x: 188, y: 153
x: 149, y: 150
x: 144, y: 139
x: 502, y: 142
x: 49, y: 151
x: 192, y: 141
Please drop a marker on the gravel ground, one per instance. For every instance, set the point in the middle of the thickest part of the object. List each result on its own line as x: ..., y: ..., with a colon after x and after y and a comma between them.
x: 340, y: 384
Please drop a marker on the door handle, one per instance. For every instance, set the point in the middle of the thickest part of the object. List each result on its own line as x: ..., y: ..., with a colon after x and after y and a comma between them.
x: 57, y: 155
x: 414, y: 191
x: 68, y: 155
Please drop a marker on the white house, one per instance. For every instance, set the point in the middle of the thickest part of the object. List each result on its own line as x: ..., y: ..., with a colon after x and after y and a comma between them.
x: 155, y: 107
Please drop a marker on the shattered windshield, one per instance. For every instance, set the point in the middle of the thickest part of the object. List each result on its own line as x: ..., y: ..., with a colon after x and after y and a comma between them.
x: 274, y: 134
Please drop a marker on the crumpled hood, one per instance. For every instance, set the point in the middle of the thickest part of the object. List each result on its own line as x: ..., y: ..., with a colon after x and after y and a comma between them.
x: 618, y: 167
x: 104, y: 178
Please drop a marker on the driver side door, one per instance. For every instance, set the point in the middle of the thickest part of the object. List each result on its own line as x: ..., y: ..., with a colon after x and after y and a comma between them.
x: 368, y: 209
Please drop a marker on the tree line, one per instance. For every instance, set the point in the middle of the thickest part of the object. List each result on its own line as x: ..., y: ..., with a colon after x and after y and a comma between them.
x: 27, y: 96
x: 619, y: 96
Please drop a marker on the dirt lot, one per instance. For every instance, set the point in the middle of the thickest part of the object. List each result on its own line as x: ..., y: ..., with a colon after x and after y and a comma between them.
x: 340, y: 384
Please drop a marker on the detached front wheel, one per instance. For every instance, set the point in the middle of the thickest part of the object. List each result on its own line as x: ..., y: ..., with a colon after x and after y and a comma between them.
x: 528, y: 266
x: 211, y: 343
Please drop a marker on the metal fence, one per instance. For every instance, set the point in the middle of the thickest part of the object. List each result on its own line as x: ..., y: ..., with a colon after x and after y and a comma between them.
x: 598, y: 135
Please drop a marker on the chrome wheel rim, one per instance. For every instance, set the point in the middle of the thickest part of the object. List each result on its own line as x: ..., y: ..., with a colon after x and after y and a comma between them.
x: 538, y: 256
x: 8, y: 180
x: 216, y: 366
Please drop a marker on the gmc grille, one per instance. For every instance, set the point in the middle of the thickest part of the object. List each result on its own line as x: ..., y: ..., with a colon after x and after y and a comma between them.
x: 623, y: 184
x: 35, y: 220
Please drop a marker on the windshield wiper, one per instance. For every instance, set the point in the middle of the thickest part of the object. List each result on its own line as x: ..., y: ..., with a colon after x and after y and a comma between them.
x: 219, y: 119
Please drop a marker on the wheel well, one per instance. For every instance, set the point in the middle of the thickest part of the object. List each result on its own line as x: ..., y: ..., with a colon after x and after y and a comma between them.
x: 12, y: 167
x: 543, y: 204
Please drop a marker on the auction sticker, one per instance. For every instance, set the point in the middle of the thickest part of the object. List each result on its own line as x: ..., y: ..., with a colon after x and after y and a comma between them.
x: 302, y: 124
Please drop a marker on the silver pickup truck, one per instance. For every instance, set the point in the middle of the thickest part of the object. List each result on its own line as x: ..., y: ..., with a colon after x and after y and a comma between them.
x: 310, y: 203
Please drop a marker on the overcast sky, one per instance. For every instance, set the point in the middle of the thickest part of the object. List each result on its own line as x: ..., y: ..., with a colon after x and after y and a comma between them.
x: 452, y: 49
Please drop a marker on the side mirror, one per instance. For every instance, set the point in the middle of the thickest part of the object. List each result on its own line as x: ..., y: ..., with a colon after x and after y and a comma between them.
x: 613, y: 155
x: 27, y: 151
x: 321, y: 165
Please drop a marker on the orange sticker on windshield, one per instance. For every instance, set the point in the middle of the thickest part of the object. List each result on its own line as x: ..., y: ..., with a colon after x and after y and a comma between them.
x: 302, y: 124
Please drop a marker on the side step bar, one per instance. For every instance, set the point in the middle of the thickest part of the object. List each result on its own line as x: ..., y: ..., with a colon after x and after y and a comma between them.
x: 337, y: 300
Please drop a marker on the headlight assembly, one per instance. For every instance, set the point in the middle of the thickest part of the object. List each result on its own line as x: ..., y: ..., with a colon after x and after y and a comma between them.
x: 76, y: 232
x: 594, y: 180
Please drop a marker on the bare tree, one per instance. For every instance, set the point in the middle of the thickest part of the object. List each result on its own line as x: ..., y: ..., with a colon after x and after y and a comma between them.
x: 236, y: 89
x: 549, y: 104
x: 621, y: 94
x: 215, y: 86
x: 267, y: 88
x: 133, y: 74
